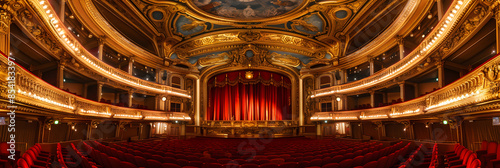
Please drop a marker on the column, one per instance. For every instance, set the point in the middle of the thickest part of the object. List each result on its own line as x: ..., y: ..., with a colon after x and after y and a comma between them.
x: 183, y: 129
x: 62, y: 4
x: 301, y: 102
x: 140, y: 131
x: 130, y: 96
x: 130, y: 65
x: 343, y: 76
x: 117, y: 98
x: 99, y: 91
x: 372, y: 65
x: 318, y: 129
x: 440, y: 68
x: 101, y: 48
x: 372, y: 98
x: 343, y: 102
x: 416, y: 90
x: 440, y: 9
x: 60, y: 76
x: 5, y: 20
x: 157, y: 102
x: 157, y: 75
x: 401, y: 48
x: 197, y: 103
x: 497, y: 18
x: 85, y: 87
x: 402, y: 90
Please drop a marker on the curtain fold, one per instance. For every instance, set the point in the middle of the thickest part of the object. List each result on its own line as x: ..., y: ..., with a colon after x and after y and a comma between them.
x: 233, y: 96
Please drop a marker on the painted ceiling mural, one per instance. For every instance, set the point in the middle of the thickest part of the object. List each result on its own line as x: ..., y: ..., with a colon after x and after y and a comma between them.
x: 247, y: 9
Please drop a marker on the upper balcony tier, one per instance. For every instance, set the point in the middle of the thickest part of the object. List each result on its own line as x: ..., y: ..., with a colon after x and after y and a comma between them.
x: 84, y: 57
x: 34, y: 95
x: 433, y: 41
x: 474, y: 93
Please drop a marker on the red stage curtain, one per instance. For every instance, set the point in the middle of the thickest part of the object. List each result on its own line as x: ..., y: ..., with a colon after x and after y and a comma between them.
x: 266, y: 96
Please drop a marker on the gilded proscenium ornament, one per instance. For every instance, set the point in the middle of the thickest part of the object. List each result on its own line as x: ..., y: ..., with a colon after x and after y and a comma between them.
x: 283, y: 41
x: 284, y: 59
x: 214, y: 59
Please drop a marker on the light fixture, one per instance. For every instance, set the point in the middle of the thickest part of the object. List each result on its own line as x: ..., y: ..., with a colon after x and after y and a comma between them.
x: 437, y: 79
x: 326, y: 121
x: 404, y: 129
x: 445, y: 122
x: 56, y: 122
x: 163, y: 98
x: 338, y: 98
x: 426, y: 126
x: 249, y: 74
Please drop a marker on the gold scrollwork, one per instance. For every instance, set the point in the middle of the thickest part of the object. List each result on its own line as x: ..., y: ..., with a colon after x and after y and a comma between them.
x: 214, y: 59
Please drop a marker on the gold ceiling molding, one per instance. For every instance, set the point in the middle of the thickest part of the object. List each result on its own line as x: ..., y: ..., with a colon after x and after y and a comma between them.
x: 218, y: 41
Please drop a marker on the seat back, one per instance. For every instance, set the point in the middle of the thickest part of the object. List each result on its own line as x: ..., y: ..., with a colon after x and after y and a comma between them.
x: 127, y: 165
x: 289, y: 165
x: 331, y: 165
x: 346, y: 163
x: 170, y: 165
x: 372, y: 164
x: 484, y: 145
x: 475, y: 164
x: 492, y: 147
x: 269, y: 165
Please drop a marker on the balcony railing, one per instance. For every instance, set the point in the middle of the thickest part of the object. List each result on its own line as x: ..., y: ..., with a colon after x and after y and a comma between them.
x: 32, y: 91
x: 479, y: 87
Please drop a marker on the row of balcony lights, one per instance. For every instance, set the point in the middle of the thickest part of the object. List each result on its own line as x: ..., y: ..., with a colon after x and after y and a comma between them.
x: 126, y: 116
x: 44, y: 99
x: 427, y: 47
x: 404, y: 113
x: 92, y: 112
x: 452, y: 100
x: 74, y: 45
x: 374, y: 116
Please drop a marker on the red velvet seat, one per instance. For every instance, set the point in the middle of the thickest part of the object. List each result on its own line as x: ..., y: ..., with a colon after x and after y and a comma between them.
x: 140, y: 161
x: 347, y: 163
x: 170, y: 165
x: 115, y: 162
x: 195, y: 163
x: 382, y: 162
x: 358, y: 161
x: 182, y: 162
x: 289, y: 165
x: 467, y: 163
x: 269, y: 165
x: 230, y: 165
x: 213, y: 165
x: 153, y: 163
x: 337, y: 159
x: 331, y: 165
x: 169, y: 160
x: 463, y: 159
x: 127, y: 165
x: 372, y: 164
x: 316, y: 162
x: 491, y: 151
x: 249, y: 165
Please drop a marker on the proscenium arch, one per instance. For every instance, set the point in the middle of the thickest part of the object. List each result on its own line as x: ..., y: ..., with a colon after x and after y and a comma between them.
x: 292, y: 75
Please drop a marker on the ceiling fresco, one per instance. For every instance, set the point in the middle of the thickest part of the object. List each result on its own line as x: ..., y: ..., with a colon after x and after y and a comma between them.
x: 247, y: 9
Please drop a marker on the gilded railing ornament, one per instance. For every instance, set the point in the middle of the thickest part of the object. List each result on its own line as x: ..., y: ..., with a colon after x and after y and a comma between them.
x: 249, y: 36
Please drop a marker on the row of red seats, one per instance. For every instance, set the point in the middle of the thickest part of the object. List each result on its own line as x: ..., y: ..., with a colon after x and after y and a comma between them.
x: 382, y: 162
x: 419, y: 158
x: 60, y: 157
x: 348, y: 162
x: 218, y: 150
x: 434, y: 157
x: 35, y: 158
x: 489, y: 154
x: 462, y: 157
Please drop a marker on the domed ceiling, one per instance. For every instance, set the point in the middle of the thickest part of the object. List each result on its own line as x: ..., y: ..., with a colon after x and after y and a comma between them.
x: 247, y: 9
x: 183, y: 31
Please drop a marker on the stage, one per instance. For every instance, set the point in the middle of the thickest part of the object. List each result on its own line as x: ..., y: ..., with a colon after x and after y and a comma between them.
x: 250, y: 129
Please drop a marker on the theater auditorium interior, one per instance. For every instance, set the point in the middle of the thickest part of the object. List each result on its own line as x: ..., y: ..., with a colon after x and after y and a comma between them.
x: 249, y: 84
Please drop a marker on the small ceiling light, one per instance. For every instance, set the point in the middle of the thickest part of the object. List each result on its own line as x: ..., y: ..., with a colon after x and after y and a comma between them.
x: 426, y: 126
x: 163, y: 98
x: 338, y: 98
x: 56, y: 122
x: 423, y: 35
x: 429, y: 16
x: 437, y: 79
x: 404, y: 129
x: 445, y: 122
x: 249, y: 74
x: 411, y: 35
